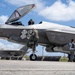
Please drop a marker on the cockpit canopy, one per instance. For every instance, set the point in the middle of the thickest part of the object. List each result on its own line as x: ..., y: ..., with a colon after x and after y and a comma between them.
x: 20, y: 12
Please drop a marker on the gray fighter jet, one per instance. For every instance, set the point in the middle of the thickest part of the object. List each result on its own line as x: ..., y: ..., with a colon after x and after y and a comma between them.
x: 53, y: 36
x: 13, y: 54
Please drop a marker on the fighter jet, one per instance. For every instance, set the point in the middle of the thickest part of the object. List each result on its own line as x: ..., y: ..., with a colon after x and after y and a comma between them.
x: 13, y: 54
x: 54, y: 37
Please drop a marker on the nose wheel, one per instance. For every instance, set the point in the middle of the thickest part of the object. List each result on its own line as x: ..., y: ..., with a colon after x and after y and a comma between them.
x: 33, y: 42
x: 33, y: 57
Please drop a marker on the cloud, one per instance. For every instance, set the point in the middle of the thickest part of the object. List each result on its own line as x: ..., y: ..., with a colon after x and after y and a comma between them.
x: 5, y: 45
x: 3, y: 19
x: 39, y: 3
x: 58, y: 11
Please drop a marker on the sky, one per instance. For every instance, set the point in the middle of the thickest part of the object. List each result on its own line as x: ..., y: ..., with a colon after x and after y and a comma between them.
x: 55, y: 11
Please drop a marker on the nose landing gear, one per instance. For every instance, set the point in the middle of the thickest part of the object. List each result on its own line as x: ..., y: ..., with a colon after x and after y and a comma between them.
x: 33, y: 56
x: 33, y: 42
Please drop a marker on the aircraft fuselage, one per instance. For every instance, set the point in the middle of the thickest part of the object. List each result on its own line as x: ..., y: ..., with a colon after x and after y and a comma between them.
x: 48, y: 33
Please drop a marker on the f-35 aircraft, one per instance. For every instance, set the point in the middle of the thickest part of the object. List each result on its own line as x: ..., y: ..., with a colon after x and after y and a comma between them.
x: 53, y: 36
x: 13, y: 54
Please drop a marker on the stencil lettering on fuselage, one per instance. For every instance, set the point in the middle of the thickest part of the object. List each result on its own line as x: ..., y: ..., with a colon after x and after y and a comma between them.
x: 26, y: 34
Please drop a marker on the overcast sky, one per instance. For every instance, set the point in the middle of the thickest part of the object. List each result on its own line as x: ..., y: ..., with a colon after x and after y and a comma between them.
x: 56, y: 11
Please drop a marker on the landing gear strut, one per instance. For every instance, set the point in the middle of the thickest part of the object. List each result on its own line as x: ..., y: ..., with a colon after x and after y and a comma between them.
x: 33, y: 43
x: 33, y: 56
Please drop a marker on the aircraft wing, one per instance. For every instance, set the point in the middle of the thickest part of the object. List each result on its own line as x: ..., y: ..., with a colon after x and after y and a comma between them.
x: 20, y: 12
x: 14, y: 53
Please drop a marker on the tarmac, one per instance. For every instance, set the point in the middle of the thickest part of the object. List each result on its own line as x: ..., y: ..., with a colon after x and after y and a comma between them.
x: 23, y: 67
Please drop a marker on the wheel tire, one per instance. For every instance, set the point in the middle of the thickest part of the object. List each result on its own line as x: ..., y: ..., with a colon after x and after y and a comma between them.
x: 20, y: 58
x: 33, y: 57
x: 74, y: 59
x: 7, y: 58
